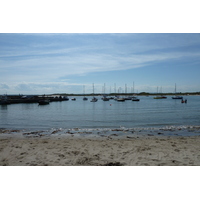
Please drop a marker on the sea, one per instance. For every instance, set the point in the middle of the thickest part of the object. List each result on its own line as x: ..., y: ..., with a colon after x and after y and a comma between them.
x: 147, y: 114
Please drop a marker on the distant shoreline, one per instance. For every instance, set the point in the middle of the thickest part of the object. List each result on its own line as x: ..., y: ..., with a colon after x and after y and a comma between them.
x: 109, y: 94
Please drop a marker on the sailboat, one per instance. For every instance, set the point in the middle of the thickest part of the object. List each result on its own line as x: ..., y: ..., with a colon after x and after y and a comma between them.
x: 134, y: 97
x: 94, y: 99
x: 176, y: 96
x: 105, y: 98
x: 84, y: 98
x: 161, y: 96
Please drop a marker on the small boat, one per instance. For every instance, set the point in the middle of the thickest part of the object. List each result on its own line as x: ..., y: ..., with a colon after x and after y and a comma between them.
x: 73, y: 99
x: 121, y: 99
x: 85, y: 98
x: 128, y: 98
x: 104, y: 98
x: 176, y: 96
x: 160, y: 97
x: 44, y: 102
x: 94, y: 99
x: 65, y: 98
x: 135, y: 99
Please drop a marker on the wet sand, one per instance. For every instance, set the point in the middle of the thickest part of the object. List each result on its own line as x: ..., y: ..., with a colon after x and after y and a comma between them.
x: 101, y: 151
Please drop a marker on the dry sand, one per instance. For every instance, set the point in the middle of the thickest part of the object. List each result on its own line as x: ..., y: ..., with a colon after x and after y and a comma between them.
x: 65, y: 151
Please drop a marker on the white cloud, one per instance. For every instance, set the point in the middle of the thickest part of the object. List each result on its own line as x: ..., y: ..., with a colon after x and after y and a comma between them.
x: 50, y: 68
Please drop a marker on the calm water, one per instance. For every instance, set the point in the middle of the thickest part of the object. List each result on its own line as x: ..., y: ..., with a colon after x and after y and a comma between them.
x: 148, y: 112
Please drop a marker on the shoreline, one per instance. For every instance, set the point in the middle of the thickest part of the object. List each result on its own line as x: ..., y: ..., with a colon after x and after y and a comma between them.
x: 120, y: 132
x: 118, y: 148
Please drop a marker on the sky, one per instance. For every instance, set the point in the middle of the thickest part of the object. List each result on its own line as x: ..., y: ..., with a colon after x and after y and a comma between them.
x: 44, y: 63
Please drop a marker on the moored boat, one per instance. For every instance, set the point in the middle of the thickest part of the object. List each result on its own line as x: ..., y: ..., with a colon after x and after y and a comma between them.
x: 104, y: 98
x: 94, y: 99
x: 121, y: 99
x: 128, y: 98
x: 160, y: 97
x: 44, y: 102
x: 135, y: 99
x: 176, y: 96
x: 84, y: 98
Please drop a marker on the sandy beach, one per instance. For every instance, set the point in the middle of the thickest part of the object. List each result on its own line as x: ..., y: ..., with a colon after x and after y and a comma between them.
x: 105, y: 151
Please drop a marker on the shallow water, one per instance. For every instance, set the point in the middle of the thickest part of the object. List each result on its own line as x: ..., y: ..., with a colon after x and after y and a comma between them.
x: 147, y: 114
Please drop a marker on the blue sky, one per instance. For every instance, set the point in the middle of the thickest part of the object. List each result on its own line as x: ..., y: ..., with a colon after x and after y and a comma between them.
x: 51, y: 63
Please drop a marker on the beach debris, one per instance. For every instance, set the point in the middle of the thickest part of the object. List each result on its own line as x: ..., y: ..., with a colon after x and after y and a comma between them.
x: 70, y: 133
x: 33, y: 133
x: 56, y: 131
x: 129, y: 137
x: 113, y: 135
x: 116, y: 130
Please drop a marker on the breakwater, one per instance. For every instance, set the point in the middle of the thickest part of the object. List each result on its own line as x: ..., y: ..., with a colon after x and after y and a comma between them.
x: 12, y: 99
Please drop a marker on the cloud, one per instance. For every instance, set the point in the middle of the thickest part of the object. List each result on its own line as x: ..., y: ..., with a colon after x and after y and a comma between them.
x: 4, y: 86
x: 40, y: 64
x: 52, y: 68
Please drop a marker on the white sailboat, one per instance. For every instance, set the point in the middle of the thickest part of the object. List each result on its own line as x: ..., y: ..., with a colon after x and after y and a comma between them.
x: 134, y: 97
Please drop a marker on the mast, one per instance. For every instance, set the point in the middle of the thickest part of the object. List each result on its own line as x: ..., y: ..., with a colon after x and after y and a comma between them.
x: 175, y: 88
x: 84, y: 90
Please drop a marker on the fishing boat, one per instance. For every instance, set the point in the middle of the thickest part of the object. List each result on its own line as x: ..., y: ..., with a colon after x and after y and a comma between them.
x: 73, y: 99
x: 176, y: 96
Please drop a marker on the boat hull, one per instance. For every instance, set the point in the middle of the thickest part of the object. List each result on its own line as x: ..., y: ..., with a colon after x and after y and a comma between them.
x: 43, y: 102
x: 178, y: 97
